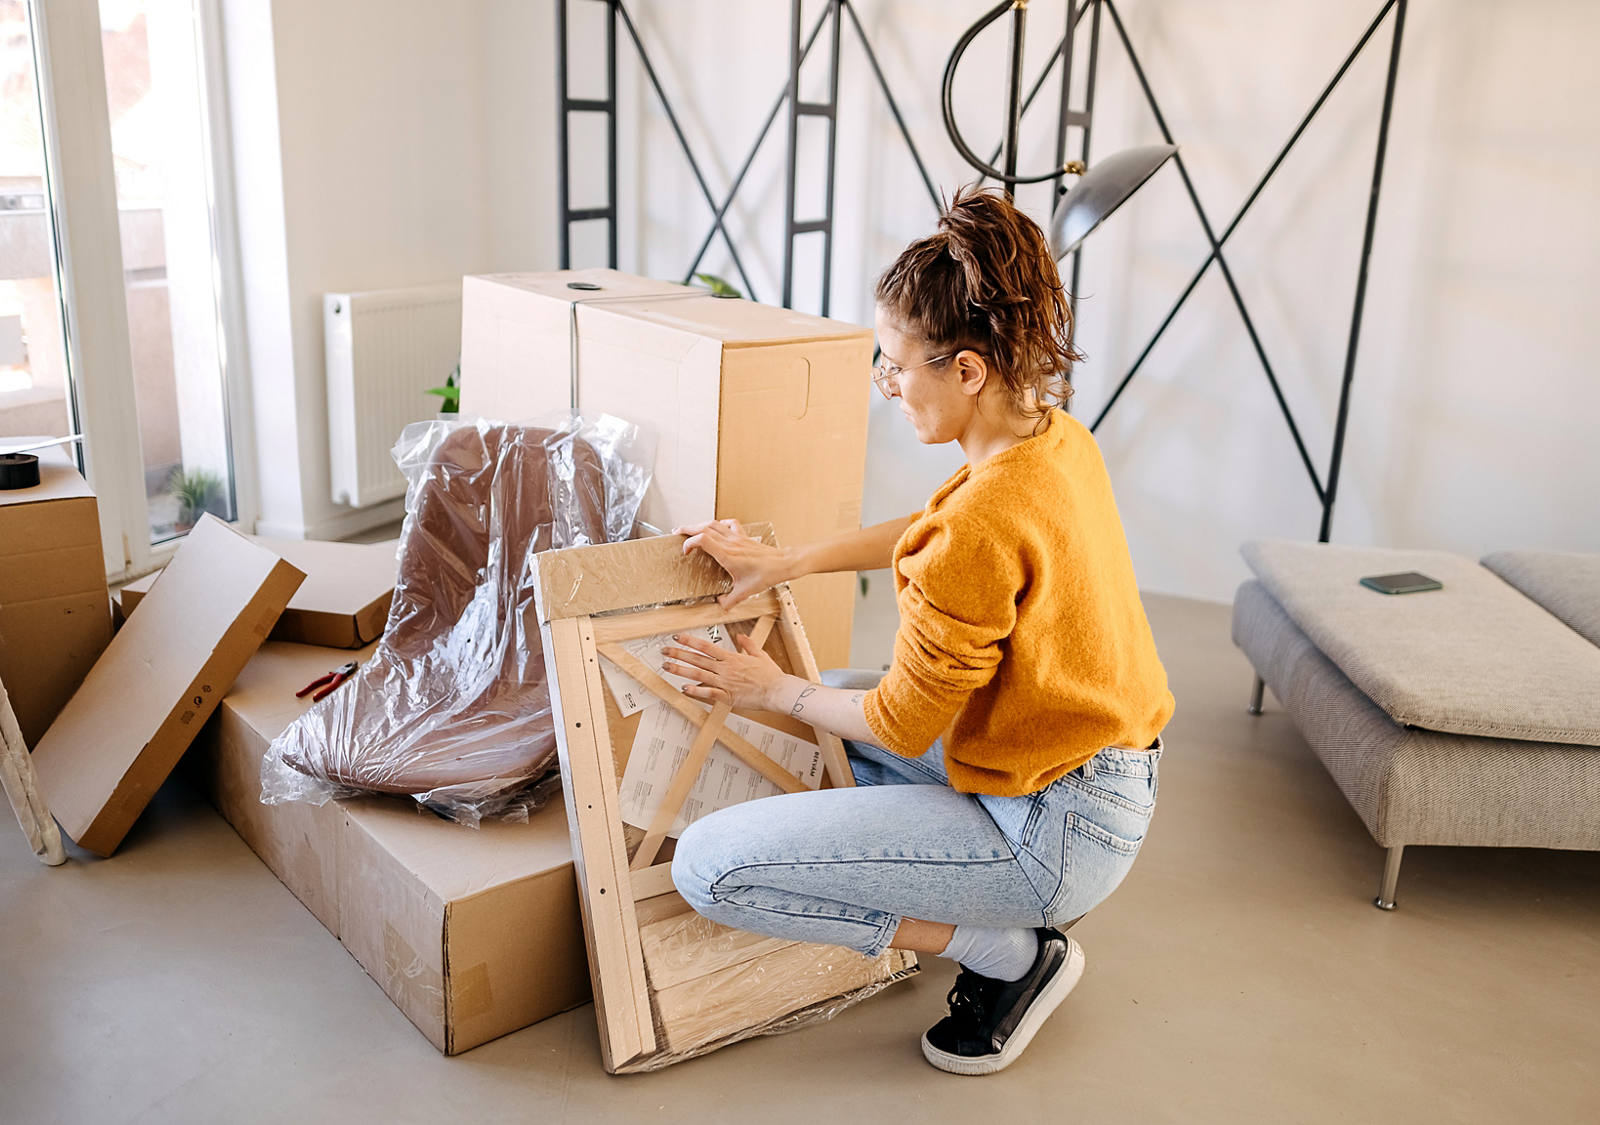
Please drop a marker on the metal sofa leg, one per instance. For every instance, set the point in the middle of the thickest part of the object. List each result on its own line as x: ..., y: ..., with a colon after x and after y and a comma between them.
x: 1391, y: 876
x: 1255, y: 696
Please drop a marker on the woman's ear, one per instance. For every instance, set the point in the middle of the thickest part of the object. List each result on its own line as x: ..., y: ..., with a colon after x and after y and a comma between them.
x: 972, y: 372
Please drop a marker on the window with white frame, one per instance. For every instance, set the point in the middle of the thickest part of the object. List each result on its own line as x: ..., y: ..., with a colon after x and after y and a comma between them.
x: 115, y: 257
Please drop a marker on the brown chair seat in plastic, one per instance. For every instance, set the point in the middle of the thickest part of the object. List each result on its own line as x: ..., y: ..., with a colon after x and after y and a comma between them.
x: 452, y: 706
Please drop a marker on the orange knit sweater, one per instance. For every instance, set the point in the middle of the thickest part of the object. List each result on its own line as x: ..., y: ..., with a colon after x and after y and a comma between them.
x: 1022, y: 638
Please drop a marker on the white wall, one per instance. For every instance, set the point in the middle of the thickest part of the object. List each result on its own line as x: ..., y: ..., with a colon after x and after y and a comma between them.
x: 378, y: 144
x: 418, y: 144
x: 1473, y: 406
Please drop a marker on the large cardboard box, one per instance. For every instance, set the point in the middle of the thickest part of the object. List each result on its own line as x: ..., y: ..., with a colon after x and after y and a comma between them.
x: 473, y: 933
x: 760, y: 413
x: 157, y: 683
x: 343, y: 603
x: 55, y: 620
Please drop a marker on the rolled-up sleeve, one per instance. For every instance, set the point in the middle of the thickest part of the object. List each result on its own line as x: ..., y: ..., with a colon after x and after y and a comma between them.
x: 958, y: 604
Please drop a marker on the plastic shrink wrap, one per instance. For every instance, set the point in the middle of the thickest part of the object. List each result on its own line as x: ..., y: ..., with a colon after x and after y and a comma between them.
x: 452, y: 707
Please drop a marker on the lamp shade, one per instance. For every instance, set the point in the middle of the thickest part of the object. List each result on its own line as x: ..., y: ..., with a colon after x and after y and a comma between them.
x: 1100, y: 191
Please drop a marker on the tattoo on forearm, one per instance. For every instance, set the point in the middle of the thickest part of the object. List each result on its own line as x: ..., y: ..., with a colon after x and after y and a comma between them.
x: 799, y: 702
x: 855, y: 700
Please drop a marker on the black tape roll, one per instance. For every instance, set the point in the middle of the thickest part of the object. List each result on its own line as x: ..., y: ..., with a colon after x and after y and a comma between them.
x: 18, y: 470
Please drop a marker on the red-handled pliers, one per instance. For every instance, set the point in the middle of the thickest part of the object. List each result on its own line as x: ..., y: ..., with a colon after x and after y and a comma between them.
x: 327, y: 683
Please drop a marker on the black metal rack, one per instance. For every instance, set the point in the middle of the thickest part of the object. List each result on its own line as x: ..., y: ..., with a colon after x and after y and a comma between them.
x: 834, y: 17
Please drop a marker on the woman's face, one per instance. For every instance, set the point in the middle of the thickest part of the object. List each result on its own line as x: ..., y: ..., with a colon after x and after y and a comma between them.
x: 930, y: 395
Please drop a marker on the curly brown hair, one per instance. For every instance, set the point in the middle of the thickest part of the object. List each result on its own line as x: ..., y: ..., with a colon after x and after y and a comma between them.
x: 986, y: 281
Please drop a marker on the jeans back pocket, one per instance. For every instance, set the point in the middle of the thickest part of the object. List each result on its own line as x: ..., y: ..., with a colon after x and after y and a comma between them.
x: 1131, y: 791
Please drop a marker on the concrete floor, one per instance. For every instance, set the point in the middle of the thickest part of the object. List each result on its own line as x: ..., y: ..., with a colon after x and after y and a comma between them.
x: 1239, y: 975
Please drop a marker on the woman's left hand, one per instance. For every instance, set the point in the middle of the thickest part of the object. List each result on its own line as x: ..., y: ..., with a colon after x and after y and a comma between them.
x: 745, y: 678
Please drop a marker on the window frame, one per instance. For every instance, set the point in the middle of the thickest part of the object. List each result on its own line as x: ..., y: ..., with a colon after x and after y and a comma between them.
x: 80, y: 184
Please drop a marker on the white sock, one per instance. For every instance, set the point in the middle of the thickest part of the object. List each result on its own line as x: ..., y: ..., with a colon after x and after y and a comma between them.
x: 997, y: 954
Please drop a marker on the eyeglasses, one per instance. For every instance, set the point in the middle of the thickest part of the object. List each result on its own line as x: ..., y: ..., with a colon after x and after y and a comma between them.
x: 885, y: 373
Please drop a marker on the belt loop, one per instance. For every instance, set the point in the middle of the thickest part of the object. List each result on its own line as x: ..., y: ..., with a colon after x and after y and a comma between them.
x: 1088, y: 770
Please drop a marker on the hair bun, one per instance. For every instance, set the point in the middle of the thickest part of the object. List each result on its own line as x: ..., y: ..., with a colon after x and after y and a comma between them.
x: 986, y: 280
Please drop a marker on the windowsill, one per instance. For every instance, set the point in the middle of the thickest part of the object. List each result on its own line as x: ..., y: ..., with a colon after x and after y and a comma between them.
x: 33, y: 396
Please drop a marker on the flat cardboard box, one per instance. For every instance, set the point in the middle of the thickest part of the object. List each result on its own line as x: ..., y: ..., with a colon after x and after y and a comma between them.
x: 343, y: 603
x: 158, y: 681
x: 473, y: 933
x: 759, y: 412
x: 54, y: 616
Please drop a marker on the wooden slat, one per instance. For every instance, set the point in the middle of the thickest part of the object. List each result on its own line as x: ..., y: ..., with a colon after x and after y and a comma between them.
x: 667, y: 619
x: 689, y: 946
x: 682, y: 781
x: 689, y: 772
x: 580, y: 581
x: 622, y: 1003
x: 741, y: 748
x: 652, y: 881
x: 793, y: 632
x: 594, y: 856
x: 658, y: 907
x: 638, y: 987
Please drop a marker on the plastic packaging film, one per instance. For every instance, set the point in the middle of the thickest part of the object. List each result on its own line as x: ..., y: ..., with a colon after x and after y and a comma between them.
x: 452, y: 707
x: 697, y: 1017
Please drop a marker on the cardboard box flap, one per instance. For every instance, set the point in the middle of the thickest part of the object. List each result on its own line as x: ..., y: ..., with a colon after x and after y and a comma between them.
x: 340, y: 577
x: 159, y: 680
x: 343, y: 602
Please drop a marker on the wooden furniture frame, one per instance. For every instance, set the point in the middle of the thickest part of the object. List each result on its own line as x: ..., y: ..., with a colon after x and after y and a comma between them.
x: 668, y: 983
x: 22, y: 787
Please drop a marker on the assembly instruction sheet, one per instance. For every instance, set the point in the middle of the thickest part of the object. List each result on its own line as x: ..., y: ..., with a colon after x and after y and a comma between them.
x: 663, y: 743
x: 629, y: 693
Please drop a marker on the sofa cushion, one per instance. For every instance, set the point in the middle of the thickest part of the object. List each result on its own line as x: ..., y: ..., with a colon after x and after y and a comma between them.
x: 1476, y: 657
x: 1568, y: 585
x: 1415, y: 786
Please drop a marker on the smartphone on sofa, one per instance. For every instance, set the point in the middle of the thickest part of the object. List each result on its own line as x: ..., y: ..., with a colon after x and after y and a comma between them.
x: 1407, y: 582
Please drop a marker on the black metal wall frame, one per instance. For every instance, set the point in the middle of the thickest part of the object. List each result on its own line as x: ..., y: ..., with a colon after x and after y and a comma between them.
x: 834, y: 14
x: 833, y: 17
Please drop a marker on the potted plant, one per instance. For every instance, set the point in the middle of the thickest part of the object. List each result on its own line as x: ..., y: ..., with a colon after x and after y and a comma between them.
x: 718, y: 286
x: 450, y: 392
x: 197, y: 492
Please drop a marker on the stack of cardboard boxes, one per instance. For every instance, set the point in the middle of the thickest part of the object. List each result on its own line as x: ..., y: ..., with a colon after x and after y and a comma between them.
x: 54, y: 619
x: 757, y: 413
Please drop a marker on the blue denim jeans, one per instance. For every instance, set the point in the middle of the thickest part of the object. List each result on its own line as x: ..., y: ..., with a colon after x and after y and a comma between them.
x: 844, y: 866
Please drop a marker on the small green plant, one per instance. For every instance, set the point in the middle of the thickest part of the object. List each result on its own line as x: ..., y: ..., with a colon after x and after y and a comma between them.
x: 450, y: 392
x: 718, y: 286
x: 197, y: 492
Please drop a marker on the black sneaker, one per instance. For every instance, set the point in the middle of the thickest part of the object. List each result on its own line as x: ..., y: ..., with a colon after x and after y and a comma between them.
x: 992, y: 1021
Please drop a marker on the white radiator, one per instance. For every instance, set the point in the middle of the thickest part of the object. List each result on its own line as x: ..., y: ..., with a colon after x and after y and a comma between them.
x: 384, y: 350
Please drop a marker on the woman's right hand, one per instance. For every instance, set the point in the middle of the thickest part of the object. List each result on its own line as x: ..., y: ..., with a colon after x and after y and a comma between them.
x: 754, y: 565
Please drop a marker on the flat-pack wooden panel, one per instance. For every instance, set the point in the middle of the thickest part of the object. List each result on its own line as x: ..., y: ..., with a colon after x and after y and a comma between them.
x: 757, y: 411
x: 668, y: 983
